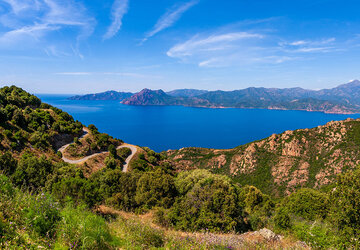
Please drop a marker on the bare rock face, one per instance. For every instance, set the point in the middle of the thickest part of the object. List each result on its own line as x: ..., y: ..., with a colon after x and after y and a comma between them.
x: 269, y: 235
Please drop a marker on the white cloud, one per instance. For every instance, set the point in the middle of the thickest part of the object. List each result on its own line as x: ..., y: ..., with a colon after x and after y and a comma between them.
x: 34, y: 32
x: 119, y: 9
x: 243, y: 48
x: 169, y: 19
x: 210, y: 43
x: 74, y: 73
x: 309, y: 46
x: 123, y: 74
x: 19, y: 6
x: 30, y: 21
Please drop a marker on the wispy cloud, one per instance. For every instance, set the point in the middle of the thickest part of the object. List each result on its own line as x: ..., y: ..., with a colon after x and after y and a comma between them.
x: 123, y: 74
x: 225, y: 48
x: 74, y: 73
x: 309, y: 46
x: 119, y: 9
x: 34, y: 32
x: 169, y: 18
x: 19, y: 6
x: 32, y: 20
x: 217, y: 42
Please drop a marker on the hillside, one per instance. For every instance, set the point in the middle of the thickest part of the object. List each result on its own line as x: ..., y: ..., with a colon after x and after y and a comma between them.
x: 284, y: 162
x: 148, y: 97
x: 186, y: 92
x: 47, y: 202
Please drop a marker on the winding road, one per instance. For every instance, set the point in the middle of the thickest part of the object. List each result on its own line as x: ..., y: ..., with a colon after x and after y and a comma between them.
x: 86, y: 133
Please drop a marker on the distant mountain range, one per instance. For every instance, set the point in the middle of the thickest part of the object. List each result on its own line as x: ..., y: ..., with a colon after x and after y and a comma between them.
x: 344, y: 99
x: 104, y: 96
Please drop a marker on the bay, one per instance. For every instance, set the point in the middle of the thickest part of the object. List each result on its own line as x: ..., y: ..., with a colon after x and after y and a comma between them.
x: 173, y: 127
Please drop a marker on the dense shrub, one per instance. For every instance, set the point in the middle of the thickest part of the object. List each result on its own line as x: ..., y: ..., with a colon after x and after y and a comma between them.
x: 123, y: 191
x: 307, y: 203
x: 210, y: 202
x: 7, y: 163
x: 346, y: 208
x: 32, y: 171
x: 155, y: 189
x: 282, y: 219
x: 69, y: 182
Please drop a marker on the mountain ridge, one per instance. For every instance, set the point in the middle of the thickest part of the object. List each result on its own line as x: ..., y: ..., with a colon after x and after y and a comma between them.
x: 343, y: 99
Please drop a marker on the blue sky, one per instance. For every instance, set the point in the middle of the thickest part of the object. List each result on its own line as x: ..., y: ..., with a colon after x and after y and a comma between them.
x: 84, y: 46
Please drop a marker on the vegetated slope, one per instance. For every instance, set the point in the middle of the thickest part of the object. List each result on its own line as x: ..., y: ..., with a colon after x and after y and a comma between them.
x: 28, y: 124
x: 186, y: 92
x: 104, y: 96
x: 283, y: 162
x: 45, y: 202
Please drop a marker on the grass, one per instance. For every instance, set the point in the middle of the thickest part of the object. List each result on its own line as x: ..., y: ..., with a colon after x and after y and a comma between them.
x: 140, y: 232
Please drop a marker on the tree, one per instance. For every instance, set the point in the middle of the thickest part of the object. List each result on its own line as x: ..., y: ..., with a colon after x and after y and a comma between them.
x: 155, y: 189
x: 32, y: 171
x: 209, y: 201
x: 112, y: 151
x: 345, y: 200
x: 7, y: 163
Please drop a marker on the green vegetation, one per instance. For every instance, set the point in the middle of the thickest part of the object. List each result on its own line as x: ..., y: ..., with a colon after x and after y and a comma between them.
x: 47, y: 203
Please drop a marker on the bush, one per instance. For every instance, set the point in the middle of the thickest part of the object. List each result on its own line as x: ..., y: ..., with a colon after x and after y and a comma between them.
x: 110, y: 162
x: 123, y: 190
x: 209, y: 202
x: 345, y: 200
x: 155, y: 189
x: 282, y: 219
x: 32, y: 171
x: 81, y: 229
x: 307, y: 203
x: 7, y: 163
x: 112, y: 151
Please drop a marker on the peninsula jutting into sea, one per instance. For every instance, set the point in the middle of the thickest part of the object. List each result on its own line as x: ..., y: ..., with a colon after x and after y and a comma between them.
x: 344, y: 99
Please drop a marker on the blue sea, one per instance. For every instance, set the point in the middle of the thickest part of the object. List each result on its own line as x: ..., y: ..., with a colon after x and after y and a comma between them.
x: 173, y: 127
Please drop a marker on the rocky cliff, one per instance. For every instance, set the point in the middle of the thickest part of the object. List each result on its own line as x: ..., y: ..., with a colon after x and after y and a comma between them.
x: 283, y: 162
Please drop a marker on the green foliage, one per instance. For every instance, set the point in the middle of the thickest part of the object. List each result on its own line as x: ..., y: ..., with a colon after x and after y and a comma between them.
x: 346, y: 207
x: 210, y: 202
x: 307, y: 203
x: 7, y: 163
x: 81, y: 229
x: 137, y: 233
x: 32, y: 171
x: 68, y: 182
x: 258, y: 206
x: 40, y: 140
x: 155, y: 189
x: 254, y: 200
x: 112, y: 151
x: 318, y: 235
x: 119, y: 189
x: 42, y: 214
x: 282, y: 219
x: 110, y: 162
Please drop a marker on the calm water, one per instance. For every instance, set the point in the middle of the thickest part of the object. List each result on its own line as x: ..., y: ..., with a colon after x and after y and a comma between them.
x: 174, y: 127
